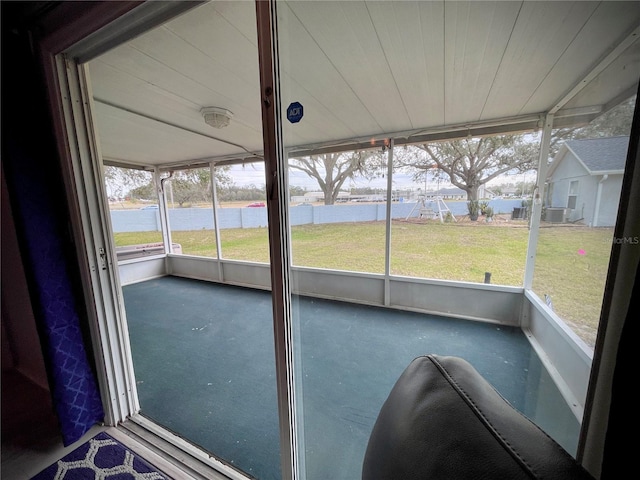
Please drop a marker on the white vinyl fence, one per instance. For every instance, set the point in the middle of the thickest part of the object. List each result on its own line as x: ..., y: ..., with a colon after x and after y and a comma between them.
x: 144, y: 220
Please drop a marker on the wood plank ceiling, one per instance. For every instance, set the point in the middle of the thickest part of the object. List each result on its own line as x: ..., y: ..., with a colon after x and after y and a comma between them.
x: 362, y: 69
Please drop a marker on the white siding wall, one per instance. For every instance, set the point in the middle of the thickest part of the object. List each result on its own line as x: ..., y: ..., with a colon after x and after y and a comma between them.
x: 609, y: 201
x: 571, y: 170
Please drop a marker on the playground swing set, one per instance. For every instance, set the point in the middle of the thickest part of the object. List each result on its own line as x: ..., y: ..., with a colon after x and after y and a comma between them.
x: 428, y: 210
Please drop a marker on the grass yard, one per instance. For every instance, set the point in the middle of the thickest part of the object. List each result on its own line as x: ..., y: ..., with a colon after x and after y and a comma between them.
x: 459, y: 252
x: 571, y: 267
x: 571, y: 262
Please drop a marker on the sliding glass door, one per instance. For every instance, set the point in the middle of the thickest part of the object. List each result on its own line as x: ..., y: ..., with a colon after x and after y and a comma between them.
x: 168, y: 105
x: 415, y: 144
x: 282, y: 205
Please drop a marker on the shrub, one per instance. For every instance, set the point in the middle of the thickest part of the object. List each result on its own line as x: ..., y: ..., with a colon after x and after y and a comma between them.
x: 474, y: 208
x: 489, y: 214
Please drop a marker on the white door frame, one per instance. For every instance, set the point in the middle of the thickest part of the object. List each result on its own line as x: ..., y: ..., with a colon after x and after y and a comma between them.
x: 108, y: 326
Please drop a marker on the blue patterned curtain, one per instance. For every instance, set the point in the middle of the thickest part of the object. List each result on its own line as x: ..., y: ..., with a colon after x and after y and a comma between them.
x: 38, y: 206
x: 73, y: 385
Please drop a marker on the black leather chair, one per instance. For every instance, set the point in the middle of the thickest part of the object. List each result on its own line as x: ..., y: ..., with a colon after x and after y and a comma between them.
x: 444, y: 421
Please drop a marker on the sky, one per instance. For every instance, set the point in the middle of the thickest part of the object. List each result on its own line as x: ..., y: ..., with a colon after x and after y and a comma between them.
x: 254, y: 174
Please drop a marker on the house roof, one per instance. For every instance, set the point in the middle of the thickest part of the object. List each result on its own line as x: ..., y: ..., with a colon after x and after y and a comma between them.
x: 601, y: 154
x: 413, y: 71
x: 447, y: 191
x: 597, y: 155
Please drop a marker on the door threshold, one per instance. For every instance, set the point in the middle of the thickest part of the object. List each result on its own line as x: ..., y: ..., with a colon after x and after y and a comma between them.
x: 172, y: 454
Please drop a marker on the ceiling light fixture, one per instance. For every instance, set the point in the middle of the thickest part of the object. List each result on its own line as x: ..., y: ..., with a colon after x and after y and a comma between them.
x: 216, y: 117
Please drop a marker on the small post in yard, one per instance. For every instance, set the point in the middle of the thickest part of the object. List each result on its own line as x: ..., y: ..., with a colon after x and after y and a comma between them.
x: 487, y: 277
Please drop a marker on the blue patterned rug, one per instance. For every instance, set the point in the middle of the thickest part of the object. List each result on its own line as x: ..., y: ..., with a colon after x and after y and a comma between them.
x: 101, y: 457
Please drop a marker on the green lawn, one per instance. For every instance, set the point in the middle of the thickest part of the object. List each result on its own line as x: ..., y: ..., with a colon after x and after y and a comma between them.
x: 571, y: 262
x: 571, y: 267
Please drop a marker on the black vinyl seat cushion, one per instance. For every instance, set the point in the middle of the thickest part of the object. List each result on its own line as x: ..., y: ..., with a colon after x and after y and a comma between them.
x: 443, y: 420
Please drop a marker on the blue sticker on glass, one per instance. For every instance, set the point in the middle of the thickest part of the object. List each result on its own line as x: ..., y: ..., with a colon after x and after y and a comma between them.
x: 295, y: 112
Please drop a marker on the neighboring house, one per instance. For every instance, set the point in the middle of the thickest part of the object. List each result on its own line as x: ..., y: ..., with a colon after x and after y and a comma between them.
x: 585, y: 180
x: 509, y: 191
x: 315, y: 197
x: 308, y: 197
x: 453, y: 193
x: 485, y: 193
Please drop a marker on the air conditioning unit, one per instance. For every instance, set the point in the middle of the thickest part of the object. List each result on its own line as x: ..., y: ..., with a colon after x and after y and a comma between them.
x: 555, y: 215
